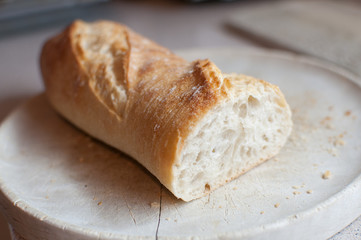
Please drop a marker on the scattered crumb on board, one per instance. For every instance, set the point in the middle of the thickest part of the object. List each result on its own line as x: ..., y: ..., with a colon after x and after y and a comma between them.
x: 327, y: 122
x: 306, y: 128
x: 326, y: 175
x: 298, y: 187
x: 337, y: 140
x: 333, y: 151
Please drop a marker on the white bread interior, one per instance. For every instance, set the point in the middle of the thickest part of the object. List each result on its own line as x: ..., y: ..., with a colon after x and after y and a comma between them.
x: 244, y: 130
x: 190, y: 125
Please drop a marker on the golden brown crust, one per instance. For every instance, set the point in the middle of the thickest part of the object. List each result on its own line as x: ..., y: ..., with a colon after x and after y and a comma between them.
x: 128, y: 91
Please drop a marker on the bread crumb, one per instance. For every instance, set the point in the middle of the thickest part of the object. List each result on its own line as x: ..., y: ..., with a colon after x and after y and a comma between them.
x: 100, y: 203
x: 333, y: 151
x: 154, y: 204
x: 298, y: 187
x: 277, y: 205
x: 234, y: 188
x: 337, y: 140
x: 47, y: 197
x: 296, y: 193
x: 309, y: 191
x: 325, y: 120
x: 329, y: 126
x: 348, y: 113
x: 167, y: 219
x: 326, y: 175
x: 175, y: 220
x: 261, y: 212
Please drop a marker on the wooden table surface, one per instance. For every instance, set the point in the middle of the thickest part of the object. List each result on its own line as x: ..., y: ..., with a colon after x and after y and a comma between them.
x: 174, y: 24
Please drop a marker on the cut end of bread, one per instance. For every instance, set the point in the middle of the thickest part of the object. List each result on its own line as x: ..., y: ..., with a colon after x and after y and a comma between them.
x: 241, y: 132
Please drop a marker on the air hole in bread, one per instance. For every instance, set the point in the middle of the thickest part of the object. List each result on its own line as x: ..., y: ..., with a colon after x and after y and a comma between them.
x: 253, y: 102
x: 229, y: 134
x: 229, y: 173
x: 199, y: 156
x: 242, y: 110
x: 198, y: 176
x: 229, y: 150
x: 265, y: 138
x: 280, y: 102
x: 182, y: 174
x: 249, y: 152
x: 241, y: 152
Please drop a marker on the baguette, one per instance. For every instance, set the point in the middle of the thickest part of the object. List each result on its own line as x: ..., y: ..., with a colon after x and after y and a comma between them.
x: 190, y: 125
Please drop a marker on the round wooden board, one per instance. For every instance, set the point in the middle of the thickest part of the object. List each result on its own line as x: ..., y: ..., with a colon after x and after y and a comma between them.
x: 58, y: 183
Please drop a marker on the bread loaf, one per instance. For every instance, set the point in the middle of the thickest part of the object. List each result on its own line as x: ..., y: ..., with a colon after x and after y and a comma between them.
x: 192, y: 126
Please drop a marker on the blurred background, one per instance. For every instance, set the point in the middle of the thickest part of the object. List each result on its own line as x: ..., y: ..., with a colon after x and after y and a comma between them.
x: 326, y: 29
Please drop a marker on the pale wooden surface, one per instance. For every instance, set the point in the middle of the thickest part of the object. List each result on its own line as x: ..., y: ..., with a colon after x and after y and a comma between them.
x: 330, y: 31
x: 62, y: 176
x: 187, y: 27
